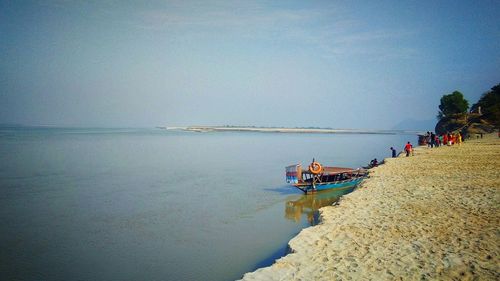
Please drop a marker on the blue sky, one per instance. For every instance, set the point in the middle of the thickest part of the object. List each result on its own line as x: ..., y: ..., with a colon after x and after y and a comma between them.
x: 339, y: 64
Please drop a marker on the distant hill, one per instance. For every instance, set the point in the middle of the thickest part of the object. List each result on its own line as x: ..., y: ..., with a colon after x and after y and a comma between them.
x: 484, y: 116
x: 416, y: 125
x: 467, y: 124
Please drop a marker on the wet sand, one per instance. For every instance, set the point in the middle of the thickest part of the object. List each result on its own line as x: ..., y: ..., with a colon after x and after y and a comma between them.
x: 432, y: 216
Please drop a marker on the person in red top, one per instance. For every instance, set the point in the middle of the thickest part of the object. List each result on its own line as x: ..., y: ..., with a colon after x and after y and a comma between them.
x: 445, y: 139
x: 408, y: 148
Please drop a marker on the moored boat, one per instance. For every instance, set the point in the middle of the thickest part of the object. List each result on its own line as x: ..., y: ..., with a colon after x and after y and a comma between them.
x: 318, y: 178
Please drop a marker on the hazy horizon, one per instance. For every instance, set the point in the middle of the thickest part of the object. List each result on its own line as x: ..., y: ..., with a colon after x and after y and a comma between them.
x: 336, y: 64
x: 173, y: 126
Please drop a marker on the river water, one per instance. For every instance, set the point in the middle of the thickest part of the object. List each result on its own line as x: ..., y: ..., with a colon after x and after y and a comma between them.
x: 145, y: 204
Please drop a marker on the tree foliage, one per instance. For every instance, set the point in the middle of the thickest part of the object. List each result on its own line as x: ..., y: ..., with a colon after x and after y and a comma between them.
x: 490, y: 106
x: 452, y: 104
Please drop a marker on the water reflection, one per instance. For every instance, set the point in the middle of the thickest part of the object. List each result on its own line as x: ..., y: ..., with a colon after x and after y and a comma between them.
x: 308, y: 205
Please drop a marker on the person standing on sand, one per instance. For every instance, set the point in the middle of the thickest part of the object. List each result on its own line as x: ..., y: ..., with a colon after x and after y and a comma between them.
x: 408, y: 149
x: 459, y: 138
x: 393, y: 152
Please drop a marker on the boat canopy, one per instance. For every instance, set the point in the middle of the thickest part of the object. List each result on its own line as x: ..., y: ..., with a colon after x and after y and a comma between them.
x: 294, y: 173
x: 333, y: 170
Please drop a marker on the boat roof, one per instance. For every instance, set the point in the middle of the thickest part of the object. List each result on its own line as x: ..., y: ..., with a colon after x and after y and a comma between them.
x: 333, y: 170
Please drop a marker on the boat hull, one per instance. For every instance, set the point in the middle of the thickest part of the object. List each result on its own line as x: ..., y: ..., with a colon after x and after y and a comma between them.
x: 328, y: 185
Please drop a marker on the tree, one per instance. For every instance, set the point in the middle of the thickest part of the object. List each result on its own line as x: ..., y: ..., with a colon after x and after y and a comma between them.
x: 452, y: 104
x: 490, y: 106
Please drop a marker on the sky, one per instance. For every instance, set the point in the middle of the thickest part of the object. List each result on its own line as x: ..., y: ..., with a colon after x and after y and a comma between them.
x: 336, y: 64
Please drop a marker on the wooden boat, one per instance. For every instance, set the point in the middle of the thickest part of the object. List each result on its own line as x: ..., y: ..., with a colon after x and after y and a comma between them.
x: 317, y: 177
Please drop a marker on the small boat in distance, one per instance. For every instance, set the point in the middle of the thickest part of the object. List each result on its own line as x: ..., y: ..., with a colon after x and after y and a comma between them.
x: 317, y: 177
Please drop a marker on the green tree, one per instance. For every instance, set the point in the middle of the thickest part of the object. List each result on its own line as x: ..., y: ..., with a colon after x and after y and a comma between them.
x: 452, y: 104
x: 490, y: 106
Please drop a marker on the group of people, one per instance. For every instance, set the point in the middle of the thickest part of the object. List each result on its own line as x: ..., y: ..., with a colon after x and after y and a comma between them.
x: 434, y: 140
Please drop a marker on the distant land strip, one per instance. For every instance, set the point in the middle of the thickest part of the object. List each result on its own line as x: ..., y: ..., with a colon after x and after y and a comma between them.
x: 203, y: 129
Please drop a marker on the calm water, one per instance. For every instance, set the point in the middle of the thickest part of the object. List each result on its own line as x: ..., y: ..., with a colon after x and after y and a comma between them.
x: 140, y: 204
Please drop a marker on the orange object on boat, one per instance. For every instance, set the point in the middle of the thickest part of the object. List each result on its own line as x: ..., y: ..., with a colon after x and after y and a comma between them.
x: 315, y: 168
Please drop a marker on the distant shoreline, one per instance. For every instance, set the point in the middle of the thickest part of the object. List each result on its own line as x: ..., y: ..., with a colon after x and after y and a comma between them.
x: 204, y: 129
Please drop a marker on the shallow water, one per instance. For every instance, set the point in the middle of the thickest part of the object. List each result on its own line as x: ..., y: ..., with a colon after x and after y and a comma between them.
x: 142, y: 204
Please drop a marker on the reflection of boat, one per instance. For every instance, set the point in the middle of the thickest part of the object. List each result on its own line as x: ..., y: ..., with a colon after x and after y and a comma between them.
x: 310, y: 204
x: 317, y: 177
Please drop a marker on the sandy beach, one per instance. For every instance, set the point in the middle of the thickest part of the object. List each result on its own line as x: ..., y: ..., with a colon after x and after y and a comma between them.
x: 432, y: 216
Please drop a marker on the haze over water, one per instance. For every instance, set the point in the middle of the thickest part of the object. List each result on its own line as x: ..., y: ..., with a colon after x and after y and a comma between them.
x: 141, y: 204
